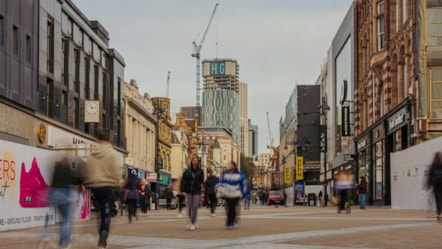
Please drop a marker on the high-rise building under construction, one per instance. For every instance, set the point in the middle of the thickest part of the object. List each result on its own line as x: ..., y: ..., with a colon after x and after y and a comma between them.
x: 220, y: 96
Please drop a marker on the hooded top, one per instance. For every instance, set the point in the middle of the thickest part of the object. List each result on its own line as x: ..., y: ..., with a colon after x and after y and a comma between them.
x: 102, y: 168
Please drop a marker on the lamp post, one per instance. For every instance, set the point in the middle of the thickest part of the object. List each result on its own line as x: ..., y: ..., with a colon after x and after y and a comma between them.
x: 324, y: 108
x: 159, y: 113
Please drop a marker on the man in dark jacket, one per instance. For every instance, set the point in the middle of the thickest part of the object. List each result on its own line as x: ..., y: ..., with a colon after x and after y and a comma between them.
x: 191, y: 183
x: 210, y: 191
x: 434, y: 181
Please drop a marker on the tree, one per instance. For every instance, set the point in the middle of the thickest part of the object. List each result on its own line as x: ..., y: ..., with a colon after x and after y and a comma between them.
x: 247, y: 167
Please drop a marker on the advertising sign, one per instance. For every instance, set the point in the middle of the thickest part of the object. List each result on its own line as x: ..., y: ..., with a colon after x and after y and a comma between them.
x: 299, y: 168
x: 346, y: 130
x: 24, y: 183
x: 287, y: 174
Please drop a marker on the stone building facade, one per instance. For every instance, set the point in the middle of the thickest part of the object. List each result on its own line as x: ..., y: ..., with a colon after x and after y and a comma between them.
x: 397, y: 74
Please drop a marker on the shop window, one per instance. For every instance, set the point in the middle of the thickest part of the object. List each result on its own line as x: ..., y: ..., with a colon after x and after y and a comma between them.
x: 379, y: 170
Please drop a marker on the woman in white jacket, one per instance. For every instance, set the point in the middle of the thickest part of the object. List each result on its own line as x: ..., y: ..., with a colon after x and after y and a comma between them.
x: 237, y: 184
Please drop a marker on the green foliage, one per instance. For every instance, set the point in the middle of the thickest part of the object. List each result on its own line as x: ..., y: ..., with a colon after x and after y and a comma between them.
x: 247, y: 167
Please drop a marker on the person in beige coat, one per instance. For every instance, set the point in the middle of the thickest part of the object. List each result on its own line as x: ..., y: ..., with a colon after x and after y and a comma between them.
x: 102, y: 176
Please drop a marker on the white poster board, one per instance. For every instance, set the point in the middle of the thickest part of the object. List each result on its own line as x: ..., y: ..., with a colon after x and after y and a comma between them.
x: 25, y: 174
x: 409, y: 172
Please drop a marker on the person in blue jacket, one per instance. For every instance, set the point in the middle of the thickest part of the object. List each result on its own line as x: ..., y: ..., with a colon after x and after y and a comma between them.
x: 238, y: 186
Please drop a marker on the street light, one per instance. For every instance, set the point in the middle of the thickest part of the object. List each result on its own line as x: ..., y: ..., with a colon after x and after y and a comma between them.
x: 159, y: 113
x: 323, y: 109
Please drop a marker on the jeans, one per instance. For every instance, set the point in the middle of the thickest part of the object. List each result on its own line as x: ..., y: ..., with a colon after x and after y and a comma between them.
x: 362, y: 200
x: 104, y: 198
x: 193, y: 202
x: 231, y: 208
x: 63, y: 199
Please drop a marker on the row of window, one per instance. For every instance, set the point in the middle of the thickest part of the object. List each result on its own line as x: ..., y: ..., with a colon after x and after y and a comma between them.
x: 15, y: 40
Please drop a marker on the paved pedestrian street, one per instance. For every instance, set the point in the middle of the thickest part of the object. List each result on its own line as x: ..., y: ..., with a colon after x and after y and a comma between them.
x: 261, y: 227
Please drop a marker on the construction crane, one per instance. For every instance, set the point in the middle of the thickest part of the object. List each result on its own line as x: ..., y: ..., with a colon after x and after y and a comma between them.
x: 167, y: 84
x: 270, y: 134
x: 196, y: 54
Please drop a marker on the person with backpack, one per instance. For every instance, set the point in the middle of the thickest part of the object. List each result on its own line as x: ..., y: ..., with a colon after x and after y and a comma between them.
x: 362, y: 190
x: 435, y: 181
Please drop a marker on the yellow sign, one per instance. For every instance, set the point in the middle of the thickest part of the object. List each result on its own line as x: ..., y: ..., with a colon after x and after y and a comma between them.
x: 299, y: 168
x: 287, y: 174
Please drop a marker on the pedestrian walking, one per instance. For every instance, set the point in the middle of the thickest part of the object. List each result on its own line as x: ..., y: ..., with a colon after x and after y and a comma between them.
x: 361, y: 192
x: 180, y: 198
x: 102, y: 175
x: 131, y: 195
x: 321, y: 203
x: 209, y: 185
x: 169, y: 196
x: 62, y: 196
x: 144, y: 195
x: 435, y: 181
x: 191, y: 184
x: 236, y: 183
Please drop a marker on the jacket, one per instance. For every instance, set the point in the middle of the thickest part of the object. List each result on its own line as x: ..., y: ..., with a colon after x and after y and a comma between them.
x: 102, y: 168
x: 435, y: 177
x: 210, y: 183
x: 236, y: 179
x: 131, y: 187
x: 192, y: 181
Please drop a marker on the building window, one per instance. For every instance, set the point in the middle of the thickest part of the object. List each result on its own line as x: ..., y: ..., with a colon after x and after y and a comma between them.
x: 404, y: 11
x: 382, y: 101
x: 380, y: 22
x: 28, y: 49
x: 50, y: 97
x: 50, y: 45
x: 65, y: 62
x: 2, y: 31
x: 15, y: 39
x: 87, y: 71
x: 76, y: 70
x: 379, y: 170
x: 96, y: 81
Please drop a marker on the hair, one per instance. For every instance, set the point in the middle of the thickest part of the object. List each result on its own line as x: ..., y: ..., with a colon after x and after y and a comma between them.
x: 437, y: 157
x: 235, y: 166
x: 103, y: 135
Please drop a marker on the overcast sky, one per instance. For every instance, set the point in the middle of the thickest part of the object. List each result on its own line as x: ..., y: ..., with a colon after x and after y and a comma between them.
x: 277, y: 44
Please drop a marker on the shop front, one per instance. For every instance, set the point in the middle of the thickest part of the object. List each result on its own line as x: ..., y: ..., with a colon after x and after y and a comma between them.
x: 373, y: 149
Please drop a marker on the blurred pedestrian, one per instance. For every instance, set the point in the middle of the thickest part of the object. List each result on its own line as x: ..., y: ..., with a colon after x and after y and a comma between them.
x: 361, y: 191
x: 209, y: 185
x: 435, y: 181
x: 321, y: 201
x: 144, y: 195
x: 191, y: 184
x: 62, y: 196
x: 131, y: 195
x: 169, y: 196
x: 236, y: 183
x: 180, y: 198
x: 102, y: 175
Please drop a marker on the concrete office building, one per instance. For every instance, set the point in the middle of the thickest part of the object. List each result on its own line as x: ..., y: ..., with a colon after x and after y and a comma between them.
x: 54, y: 61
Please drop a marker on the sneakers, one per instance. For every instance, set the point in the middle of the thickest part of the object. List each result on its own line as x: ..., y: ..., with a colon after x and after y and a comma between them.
x: 213, y: 215
x: 192, y: 227
x: 188, y: 226
x: 236, y: 225
x: 33, y: 188
x: 230, y: 227
x: 180, y: 215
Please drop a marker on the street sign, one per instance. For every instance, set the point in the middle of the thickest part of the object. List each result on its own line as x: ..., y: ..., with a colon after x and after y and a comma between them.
x: 349, y: 157
x: 299, y: 168
x: 287, y: 174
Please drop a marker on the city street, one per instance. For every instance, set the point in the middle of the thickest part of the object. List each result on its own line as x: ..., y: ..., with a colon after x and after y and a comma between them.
x: 261, y: 227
